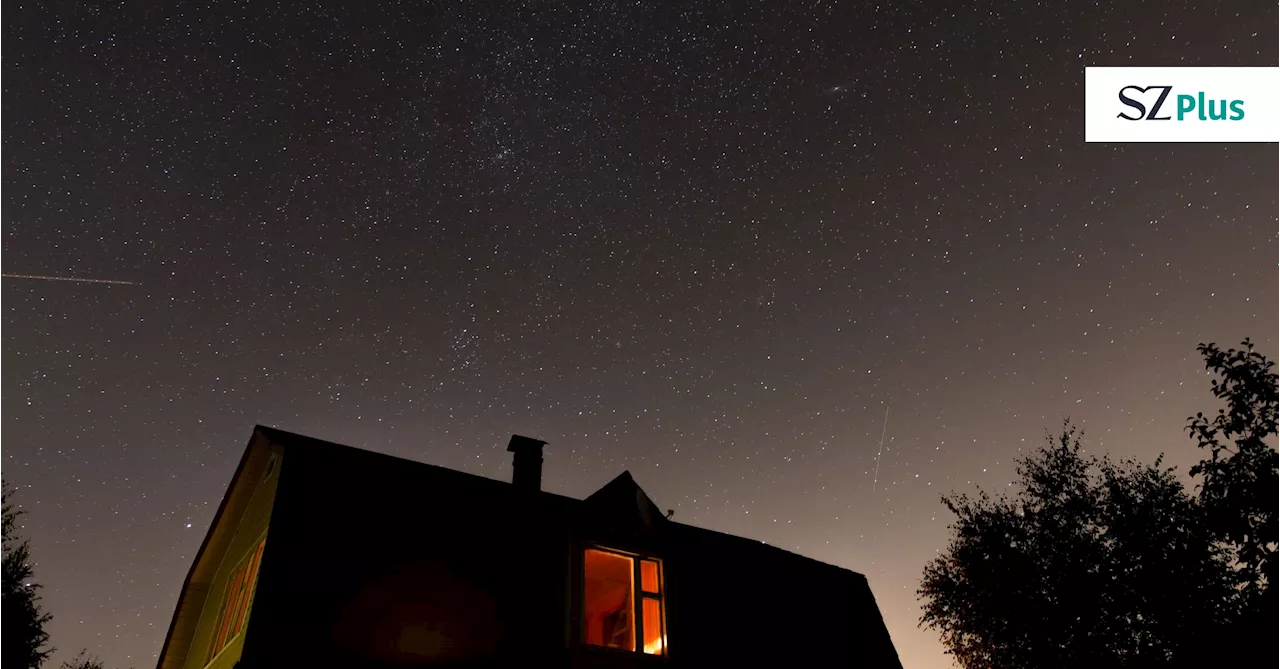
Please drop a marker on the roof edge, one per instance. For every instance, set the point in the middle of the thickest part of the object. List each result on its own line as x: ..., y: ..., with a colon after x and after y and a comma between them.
x: 204, y: 543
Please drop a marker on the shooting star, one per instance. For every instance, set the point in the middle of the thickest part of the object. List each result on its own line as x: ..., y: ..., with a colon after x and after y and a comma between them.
x: 74, y: 279
x: 883, y: 429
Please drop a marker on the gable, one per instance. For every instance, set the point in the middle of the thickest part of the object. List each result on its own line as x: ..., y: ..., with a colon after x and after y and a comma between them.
x: 234, y: 536
x: 623, y: 501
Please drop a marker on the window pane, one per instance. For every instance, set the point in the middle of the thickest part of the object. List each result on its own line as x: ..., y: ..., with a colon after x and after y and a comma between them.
x: 228, y: 607
x: 251, y: 577
x: 234, y: 627
x: 649, y: 576
x: 655, y: 641
x: 607, y: 600
x: 251, y: 583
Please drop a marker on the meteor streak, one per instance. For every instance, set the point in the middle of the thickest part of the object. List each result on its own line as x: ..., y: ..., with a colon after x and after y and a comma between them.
x: 883, y: 430
x: 75, y: 279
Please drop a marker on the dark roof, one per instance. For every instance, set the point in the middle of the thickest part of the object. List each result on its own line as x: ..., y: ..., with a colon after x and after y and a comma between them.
x: 374, y: 459
x: 612, y: 492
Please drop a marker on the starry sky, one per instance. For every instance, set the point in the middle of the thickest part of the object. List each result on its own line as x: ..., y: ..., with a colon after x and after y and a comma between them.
x: 711, y: 243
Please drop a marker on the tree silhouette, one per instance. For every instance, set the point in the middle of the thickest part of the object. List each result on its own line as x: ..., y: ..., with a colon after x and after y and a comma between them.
x: 1238, y: 479
x: 1091, y: 561
x: 1238, y: 485
x: 83, y: 660
x: 25, y: 641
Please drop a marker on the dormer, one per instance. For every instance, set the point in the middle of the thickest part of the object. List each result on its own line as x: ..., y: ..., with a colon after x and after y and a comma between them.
x: 621, y: 603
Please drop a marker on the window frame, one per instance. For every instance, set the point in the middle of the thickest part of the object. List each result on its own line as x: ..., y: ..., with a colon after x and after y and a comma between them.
x: 256, y: 553
x: 638, y: 595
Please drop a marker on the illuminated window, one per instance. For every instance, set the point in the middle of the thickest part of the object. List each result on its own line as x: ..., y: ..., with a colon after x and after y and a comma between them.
x: 235, y: 602
x: 622, y: 602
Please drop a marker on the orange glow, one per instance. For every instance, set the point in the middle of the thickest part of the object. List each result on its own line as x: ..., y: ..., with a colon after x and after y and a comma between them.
x: 235, y: 603
x: 607, y: 600
x: 250, y: 580
x: 228, y: 601
x: 655, y: 641
x: 649, y: 576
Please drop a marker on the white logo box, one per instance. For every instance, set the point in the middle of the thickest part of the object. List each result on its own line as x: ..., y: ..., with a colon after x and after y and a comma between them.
x: 1254, y: 90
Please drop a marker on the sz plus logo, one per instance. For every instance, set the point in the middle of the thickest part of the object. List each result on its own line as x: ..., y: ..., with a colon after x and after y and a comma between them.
x: 1181, y: 104
x: 1188, y: 106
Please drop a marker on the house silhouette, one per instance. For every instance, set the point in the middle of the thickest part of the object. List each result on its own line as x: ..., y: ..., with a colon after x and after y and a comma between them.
x: 323, y: 555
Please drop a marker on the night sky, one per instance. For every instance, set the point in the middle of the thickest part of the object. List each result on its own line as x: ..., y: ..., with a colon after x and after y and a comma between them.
x: 711, y: 244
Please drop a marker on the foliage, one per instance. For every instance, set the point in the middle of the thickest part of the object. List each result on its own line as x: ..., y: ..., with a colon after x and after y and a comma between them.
x: 25, y: 640
x: 83, y: 660
x: 1076, y: 567
x: 1238, y: 479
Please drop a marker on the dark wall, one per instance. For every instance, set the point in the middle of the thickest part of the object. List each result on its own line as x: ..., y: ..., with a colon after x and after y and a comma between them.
x: 376, y: 565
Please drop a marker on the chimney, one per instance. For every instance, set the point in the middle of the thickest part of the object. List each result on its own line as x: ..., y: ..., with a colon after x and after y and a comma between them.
x: 526, y: 473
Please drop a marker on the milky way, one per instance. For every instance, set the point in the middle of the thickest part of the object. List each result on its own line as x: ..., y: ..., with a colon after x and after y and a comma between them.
x: 711, y: 245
